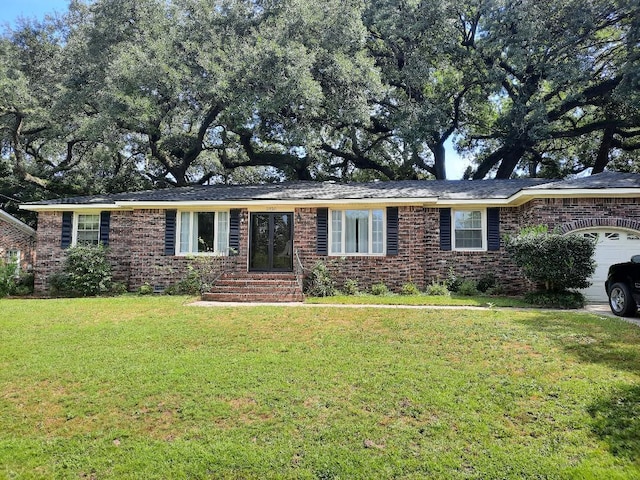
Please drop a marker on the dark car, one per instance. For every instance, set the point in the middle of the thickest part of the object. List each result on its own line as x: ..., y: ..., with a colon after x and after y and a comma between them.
x: 623, y: 287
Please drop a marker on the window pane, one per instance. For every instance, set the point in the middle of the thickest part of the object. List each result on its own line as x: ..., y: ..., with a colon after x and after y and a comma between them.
x: 336, y: 231
x: 468, y: 220
x: 204, y: 240
x: 378, y: 231
x: 468, y: 238
x: 357, y: 231
x: 185, y: 228
x: 223, y: 232
x: 468, y: 229
x: 88, y: 229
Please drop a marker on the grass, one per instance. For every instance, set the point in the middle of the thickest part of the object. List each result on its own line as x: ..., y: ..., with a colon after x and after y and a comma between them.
x: 422, y: 299
x: 145, y: 387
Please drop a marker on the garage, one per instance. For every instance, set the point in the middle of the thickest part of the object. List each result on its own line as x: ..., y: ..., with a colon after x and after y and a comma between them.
x: 613, y: 246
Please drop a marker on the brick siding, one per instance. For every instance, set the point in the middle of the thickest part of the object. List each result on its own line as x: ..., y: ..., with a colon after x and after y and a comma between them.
x: 12, y: 238
x: 137, y: 245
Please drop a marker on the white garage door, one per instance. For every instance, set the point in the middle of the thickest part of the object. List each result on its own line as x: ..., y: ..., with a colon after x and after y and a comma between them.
x: 613, y: 246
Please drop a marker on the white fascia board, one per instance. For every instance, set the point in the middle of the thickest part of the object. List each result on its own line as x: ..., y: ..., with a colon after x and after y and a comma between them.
x: 530, y: 194
x: 68, y: 207
x: 252, y: 204
x: 17, y: 223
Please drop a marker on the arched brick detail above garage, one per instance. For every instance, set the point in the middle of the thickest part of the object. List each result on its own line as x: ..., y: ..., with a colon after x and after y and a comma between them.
x: 599, y: 223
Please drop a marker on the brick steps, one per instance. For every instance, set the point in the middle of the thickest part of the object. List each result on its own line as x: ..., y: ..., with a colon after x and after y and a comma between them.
x: 255, y: 287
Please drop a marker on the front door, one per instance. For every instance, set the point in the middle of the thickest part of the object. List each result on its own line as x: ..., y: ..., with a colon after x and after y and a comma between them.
x: 271, y: 242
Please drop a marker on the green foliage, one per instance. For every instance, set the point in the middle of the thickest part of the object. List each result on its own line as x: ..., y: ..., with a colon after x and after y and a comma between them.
x: 86, y: 272
x: 565, y: 300
x: 234, y: 90
x: 145, y: 289
x: 410, y: 289
x: 486, y: 282
x: 453, y: 281
x: 437, y: 289
x: 319, y: 282
x: 23, y: 284
x: 190, y: 284
x: 350, y: 287
x: 379, y: 289
x: 7, y: 278
x: 552, y: 261
x: 468, y: 288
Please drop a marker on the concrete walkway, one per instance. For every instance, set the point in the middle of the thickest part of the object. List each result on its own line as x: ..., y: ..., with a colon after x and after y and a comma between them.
x: 600, y: 309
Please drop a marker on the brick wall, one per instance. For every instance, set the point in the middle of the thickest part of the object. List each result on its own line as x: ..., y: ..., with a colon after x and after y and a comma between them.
x: 137, y: 245
x: 394, y: 271
x: 12, y: 238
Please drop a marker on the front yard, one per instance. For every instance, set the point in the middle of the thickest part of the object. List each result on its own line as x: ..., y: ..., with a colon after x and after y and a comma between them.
x: 145, y: 387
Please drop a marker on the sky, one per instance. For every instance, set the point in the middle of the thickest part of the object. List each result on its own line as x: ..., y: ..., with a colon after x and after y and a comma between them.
x: 11, y: 10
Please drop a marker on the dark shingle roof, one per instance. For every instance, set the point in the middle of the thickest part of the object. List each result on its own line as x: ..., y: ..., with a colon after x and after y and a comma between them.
x: 295, y: 191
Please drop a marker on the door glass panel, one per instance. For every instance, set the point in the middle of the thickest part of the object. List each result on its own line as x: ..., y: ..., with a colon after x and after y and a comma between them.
x: 259, y: 242
x: 282, y: 245
x: 271, y: 242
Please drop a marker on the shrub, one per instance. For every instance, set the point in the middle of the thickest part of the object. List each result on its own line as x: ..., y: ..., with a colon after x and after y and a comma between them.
x: 86, y: 272
x: 379, y: 289
x: 410, y: 289
x: 191, y: 283
x: 554, y: 262
x: 468, y: 288
x: 319, y: 282
x: 7, y: 278
x: 350, y: 287
x: 453, y: 282
x: 556, y: 299
x: 145, y: 289
x: 118, y: 288
x: 486, y: 282
x: 437, y: 289
x: 22, y: 285
x: 496, y: 290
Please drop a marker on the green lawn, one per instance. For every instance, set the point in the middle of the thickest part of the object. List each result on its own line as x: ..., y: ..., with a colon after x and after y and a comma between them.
x: 145, y: 387
x: 453, y: 300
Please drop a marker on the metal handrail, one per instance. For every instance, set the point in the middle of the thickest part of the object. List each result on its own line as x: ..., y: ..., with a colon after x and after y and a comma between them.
x: 299, y: 271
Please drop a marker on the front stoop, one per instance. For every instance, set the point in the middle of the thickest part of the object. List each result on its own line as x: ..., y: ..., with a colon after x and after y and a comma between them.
x: 255, y: 287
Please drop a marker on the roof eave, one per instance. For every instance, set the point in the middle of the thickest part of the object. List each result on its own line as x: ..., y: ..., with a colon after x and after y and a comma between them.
x: 17, y: 223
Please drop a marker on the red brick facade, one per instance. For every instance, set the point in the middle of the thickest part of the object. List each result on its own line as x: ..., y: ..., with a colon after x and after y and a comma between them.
x: 136, y: 244
x: 14, y: 238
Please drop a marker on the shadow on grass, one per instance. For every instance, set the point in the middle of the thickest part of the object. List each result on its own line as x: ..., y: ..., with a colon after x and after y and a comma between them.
x: 606, y: 341
x: 615, y: 344
x: 617, y: 421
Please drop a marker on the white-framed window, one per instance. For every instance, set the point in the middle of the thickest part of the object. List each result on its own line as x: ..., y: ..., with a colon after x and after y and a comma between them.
x: 469, y: 229
x: 13, y: 258
x: 203, y: 233
x: 357, y: 232
x: 86, y: 230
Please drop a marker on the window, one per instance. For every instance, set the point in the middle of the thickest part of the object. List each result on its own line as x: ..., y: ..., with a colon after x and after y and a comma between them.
x: 203, y: 232
x: 468, y: 230
x: 13, y: 258
x: 357, y: 232
x: 87, y: 229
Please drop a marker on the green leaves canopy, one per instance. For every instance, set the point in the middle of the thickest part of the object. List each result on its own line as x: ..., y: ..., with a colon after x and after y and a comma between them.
x: 128, y: 94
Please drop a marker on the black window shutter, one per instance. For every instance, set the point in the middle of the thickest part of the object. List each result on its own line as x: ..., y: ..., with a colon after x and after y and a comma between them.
x: 105, y: 221
x: 392, y: 230
x: 445, y: 229
x: 322, y: 226
x: 170, y: 232
x: 493, y: 229
x: 234, y: 231
x: 67, y: 227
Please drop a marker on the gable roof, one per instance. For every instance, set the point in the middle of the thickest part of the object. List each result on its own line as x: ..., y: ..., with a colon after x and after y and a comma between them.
x: 405, y: 191
x: 17, y: 223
